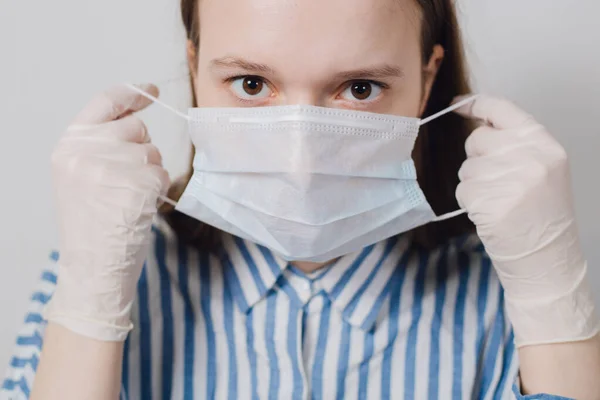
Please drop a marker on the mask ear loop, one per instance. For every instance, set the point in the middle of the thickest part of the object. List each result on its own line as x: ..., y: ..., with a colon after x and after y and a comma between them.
x: 168, y: 107
x: 424, y: 121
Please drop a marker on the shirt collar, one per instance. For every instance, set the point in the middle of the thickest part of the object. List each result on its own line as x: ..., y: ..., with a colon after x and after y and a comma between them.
x: 357, y: 284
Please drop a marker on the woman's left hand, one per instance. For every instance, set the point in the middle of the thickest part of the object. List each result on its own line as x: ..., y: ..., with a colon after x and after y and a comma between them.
x: 516, y: 187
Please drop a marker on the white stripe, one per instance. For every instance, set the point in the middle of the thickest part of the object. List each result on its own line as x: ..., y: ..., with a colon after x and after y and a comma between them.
x: 264, y: 270
x: 244, y: 382
x: 242, y: 269
x: 357, y: 341
x: 301, y: 285
x: 217, y: 311
x: 330, y: 361
x: 381, y: 279
x: 200, y: 340
x: 380, y: 342
x: 491, y: 312
x: 178, y: 315
x: 259, y: 315
x: 424, y: 327
x: 447, y: 326
x: 404, y: 321
x: 286, y: 376
x: 470, y: 356
x: 155, y: 310
x: 360, y: 275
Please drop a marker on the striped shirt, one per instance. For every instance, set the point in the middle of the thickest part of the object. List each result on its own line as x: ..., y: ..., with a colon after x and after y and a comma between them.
x: 388, y: 322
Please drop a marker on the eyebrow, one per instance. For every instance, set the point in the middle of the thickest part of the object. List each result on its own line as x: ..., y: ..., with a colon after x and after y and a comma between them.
x: 237, y: 62
x: 375, y: 72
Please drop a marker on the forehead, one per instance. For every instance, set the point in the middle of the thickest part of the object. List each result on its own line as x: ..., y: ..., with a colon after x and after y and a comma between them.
x: 299, y: 31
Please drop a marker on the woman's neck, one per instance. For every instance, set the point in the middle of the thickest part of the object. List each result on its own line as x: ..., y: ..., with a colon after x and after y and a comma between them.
x: 309, y: 267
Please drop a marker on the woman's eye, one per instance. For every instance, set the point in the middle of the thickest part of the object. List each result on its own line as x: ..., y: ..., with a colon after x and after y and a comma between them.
x: 250, y: 87
x: 361, y: 91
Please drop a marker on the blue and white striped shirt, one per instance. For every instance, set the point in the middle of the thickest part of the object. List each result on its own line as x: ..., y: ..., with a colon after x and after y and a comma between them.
x: 388, y: 322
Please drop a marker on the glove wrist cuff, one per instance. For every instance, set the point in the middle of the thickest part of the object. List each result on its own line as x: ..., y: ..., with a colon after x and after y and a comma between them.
x: 562, y: 318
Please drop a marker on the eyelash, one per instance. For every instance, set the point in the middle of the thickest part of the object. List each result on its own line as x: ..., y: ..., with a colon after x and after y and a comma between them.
x: 233, y: 78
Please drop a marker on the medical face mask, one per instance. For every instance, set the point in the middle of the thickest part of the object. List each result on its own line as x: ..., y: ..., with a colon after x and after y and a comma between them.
x: 309, y: 183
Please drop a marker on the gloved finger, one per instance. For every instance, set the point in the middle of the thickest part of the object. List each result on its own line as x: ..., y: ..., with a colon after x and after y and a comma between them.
x: 130, y: 154
x: 127, y: 129
x: 95, y: 179
x: 485, y: 201
x: 114, y: 103
x: 124, y: 155
x: 486, y: 168
x: 499, y: 113
x: 486, y: 140
x: 163, y: 177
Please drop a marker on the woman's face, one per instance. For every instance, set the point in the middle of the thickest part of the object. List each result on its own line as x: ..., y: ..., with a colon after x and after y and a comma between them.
x: 354, y: 54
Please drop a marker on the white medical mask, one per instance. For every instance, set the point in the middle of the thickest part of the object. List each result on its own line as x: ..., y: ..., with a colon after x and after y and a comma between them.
x: 309, y: 183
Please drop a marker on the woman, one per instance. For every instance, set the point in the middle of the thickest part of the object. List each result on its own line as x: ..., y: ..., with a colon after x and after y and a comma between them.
x: 418, y: 315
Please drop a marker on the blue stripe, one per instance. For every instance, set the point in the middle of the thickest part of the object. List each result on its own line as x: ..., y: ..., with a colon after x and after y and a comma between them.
x: 290, y: 291
x: 232, y: 280
x: 54, y: 256
x: 271, y: 351
x: 251, y: 353
x: 260, y: 285
x: 317, y: 372
x: 363, y: 380
x: 35, y: 340
x: 49, y: 277
x: 481, y: 306
x: 17, y: 362
x: 394, y: 316
x: 145, y: 324
x: 34, y: 318
x: 493, y: 348
x: 343, y: 358
x: 271, y: 262
x: 167, y: 316
x: 189, y: 323
x: 349, y: 309
x: 339, y: 286
x: 411, y: 343
x: 508, y: 354
x: 211, y: 358
x: 304, y: 328
x: 371, y: 318
x: 10, y: 384
x: 434, y: 352
x: 459, y: 321
x: 229, y: 323
x: 293, y: 349
x: 125, y: 368
x: 40, y: 297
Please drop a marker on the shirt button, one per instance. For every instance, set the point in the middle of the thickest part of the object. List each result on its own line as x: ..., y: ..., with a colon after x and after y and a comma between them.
x: 306, y: 286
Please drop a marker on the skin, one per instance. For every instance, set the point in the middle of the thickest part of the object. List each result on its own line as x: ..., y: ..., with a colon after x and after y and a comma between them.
x: 306, y: 51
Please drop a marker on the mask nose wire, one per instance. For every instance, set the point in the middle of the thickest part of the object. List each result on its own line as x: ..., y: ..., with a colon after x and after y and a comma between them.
x: 448, y: 110
x: 168, y: 107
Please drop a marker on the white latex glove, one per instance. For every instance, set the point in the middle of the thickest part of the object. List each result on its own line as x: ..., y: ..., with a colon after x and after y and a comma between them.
x: 107, y: 179
x: 516, y: 188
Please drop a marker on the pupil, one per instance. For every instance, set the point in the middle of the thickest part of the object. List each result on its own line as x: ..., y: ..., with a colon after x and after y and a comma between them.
x: 361, y: 90
x: 253, y: 86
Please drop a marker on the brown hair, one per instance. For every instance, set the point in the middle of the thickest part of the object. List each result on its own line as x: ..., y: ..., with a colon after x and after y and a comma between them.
x: 439, y: 149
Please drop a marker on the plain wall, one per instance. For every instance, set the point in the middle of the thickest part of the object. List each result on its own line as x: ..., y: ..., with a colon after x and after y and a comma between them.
x: 54, y: 56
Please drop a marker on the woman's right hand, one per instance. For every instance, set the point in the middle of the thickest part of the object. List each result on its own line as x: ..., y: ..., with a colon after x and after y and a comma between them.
x: 107, y: 179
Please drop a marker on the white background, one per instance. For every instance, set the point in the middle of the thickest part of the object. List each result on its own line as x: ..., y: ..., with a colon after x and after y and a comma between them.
x: 54, y: 55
